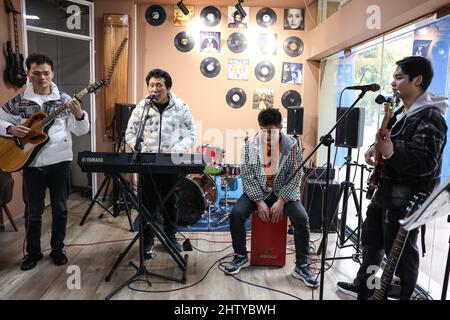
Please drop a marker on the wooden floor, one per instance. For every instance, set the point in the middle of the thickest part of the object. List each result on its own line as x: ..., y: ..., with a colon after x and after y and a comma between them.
x: 95, y: 246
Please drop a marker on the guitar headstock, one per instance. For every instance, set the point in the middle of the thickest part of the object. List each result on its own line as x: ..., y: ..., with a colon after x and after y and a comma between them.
x: 416, y: 203
x: 9, y: 7
x: 96, y: 85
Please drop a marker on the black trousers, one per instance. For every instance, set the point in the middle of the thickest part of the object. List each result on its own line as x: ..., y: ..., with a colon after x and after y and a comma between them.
x: 150, y: 199
x: 379, y: 231
x: 294, y: 209
x: 36, y: 180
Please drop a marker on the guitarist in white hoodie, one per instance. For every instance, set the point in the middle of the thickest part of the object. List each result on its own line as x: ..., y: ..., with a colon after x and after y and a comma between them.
x: 51, y: 166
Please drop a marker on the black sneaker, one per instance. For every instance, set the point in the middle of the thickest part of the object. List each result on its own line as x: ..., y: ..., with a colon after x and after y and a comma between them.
x: 348, y: 288
x: 59, y: 257
x: 304, y: 273
x: 148, y: 249
x: 235, y: 266
x: 30, y: 261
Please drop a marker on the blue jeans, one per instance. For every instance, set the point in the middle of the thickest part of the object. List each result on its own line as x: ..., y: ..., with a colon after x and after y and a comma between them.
x: 296, y: 213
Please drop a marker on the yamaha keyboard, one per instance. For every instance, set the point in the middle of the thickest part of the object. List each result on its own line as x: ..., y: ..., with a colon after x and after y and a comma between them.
x: 158, y: 163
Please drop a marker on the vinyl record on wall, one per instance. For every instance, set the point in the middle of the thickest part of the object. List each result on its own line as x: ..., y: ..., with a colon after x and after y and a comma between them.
x: 184, y: 42
x: 236, y: 98
x: 210, y: 67
x: 264, y: 71
x: 293, y: 46
x: 291, y: 98
x: 210, y: 16
x: 155, y: 15
x: 266, y: 17
x: 237, y: 42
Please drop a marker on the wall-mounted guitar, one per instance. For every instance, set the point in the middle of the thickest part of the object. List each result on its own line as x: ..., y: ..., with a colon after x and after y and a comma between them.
x: 14, y: 71
x: 16, y: 153
x: 375, y: 175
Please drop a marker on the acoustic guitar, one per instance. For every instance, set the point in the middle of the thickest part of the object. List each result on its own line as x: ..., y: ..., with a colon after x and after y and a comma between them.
x: 14, y: 72
x: 16, y: 153
x: 375, y: 175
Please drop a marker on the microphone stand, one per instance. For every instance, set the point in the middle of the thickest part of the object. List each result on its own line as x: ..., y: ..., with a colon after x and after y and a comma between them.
x: 137, y: 159
x: 326, y: 140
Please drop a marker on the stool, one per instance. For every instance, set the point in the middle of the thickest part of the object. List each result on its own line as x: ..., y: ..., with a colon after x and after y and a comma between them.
x: 6, y: 190
x: 268, y: 242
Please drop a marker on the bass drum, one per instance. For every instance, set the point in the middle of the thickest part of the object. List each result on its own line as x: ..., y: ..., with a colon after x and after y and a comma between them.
x: 197, y: 191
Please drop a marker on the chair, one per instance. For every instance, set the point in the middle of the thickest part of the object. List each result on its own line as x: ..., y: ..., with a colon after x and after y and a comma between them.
x: 6, y: 192
x: 268, y: 242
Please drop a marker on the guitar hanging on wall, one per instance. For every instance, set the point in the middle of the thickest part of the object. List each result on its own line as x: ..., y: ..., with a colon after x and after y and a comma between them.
x: 14, y: 71
x: 16, y: 153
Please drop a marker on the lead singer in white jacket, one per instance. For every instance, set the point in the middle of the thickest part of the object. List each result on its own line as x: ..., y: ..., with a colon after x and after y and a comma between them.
x: 169, y: 129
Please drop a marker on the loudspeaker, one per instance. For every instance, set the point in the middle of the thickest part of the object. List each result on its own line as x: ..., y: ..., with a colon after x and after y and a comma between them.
x: 314, y: 200
x: 122, y: 114
x: 295, y: 120
x: 350, y: 132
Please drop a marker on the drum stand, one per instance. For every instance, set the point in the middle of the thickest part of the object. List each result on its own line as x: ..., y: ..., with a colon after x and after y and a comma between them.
x: 226, y: 210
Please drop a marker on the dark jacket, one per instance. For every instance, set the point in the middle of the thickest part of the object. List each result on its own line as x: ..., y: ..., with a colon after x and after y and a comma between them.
x: 419, y: 138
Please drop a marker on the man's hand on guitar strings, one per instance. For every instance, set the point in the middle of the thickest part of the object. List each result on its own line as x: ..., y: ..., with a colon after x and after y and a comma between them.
x: 369, y: 156
x: 75, y: 107
x: 19, y: 131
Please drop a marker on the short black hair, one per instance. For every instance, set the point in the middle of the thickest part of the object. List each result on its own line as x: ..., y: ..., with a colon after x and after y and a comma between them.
x: 417, y: 66
x: 269, y: 116
x: 38, y: 58
x: 159, y: 73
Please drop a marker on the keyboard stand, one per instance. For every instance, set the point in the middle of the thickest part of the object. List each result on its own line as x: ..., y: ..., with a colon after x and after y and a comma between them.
x: 149, y: 221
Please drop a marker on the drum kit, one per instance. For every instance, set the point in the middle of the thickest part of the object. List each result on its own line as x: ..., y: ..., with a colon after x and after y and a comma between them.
x: 203, y: 194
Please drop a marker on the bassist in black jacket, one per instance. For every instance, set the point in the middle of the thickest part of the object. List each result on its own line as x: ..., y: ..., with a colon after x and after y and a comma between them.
x: 412, y: 153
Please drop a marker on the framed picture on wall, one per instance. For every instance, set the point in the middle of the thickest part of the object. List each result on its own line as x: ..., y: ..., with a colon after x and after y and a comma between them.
x: 209, y: 41
x: 262, y: 98
x: 235, y: 19
x: 181, y: 20
x: 292, y: 73
x: 294, y: 19
x: 267, y: 43
x: 238, y: 69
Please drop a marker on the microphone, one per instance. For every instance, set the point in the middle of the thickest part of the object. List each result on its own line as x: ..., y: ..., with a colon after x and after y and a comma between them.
x: 153, y: 95
x: 368, y: 87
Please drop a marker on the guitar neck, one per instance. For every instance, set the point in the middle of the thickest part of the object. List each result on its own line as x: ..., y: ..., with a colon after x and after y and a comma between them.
x: 389, y: 268
x: 59, y: 110
x: 16, y: 33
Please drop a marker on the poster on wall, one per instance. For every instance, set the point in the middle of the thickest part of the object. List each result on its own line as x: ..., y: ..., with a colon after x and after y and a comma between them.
x: 235, y: 19
x: 262, y: 98
x: 209, y: 41
x: 267, y: 43
x: 294, y: 19
x: 181, y: 20
x: 292, y: 73
x: 420, y: 47
x: 238, y: 69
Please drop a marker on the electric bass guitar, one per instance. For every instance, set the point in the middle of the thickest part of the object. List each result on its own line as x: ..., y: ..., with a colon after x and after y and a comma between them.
x: 381, y: 290
x: 375, y: 175
x: 14, y: 72
x: 16, y: 153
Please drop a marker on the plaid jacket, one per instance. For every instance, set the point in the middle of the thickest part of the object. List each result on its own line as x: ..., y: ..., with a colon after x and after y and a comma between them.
x: 419, y: 138
x: 254, y: 178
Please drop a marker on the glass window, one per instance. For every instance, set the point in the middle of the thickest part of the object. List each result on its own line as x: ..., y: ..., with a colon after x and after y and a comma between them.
x: 374, y: 62
x: 67, y: 16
